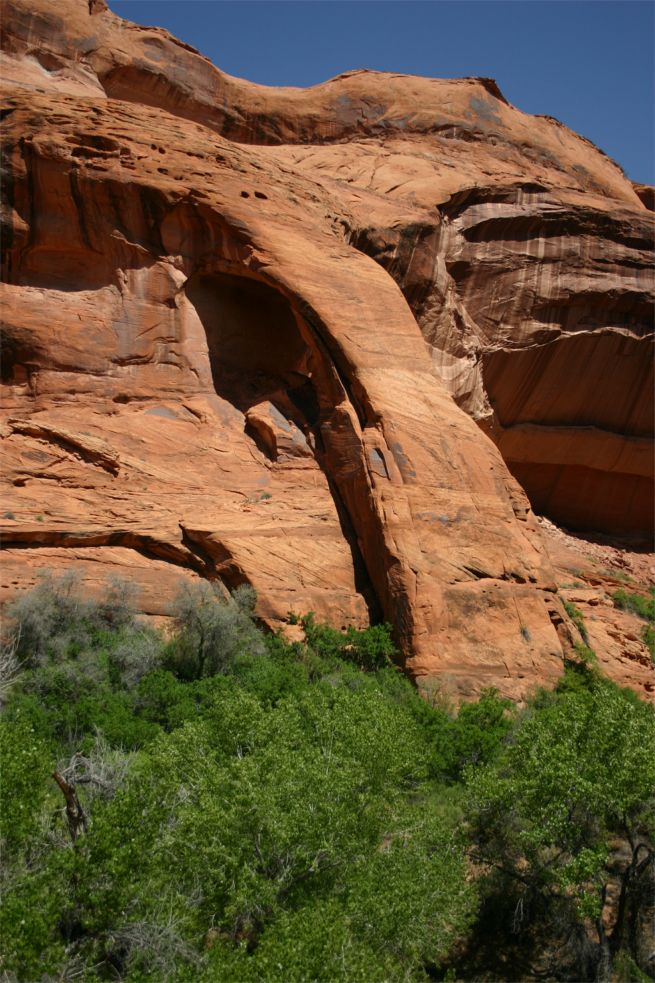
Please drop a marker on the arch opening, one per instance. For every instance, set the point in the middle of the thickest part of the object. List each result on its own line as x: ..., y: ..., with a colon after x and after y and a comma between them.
x: 263, y: 362
x: 256, y: 348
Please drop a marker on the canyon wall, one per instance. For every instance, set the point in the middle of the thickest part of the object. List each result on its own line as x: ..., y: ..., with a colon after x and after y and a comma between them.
x: 265, y: 336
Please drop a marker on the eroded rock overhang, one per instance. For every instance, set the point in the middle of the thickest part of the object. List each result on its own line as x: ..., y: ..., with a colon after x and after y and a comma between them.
x: 261, y: 391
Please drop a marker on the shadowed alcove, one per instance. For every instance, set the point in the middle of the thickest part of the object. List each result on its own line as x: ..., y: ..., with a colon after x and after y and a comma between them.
x: 259, y: 355
x: 256, y: 349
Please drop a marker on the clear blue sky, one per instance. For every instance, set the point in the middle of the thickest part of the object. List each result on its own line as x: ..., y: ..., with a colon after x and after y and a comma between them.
x: 590, y: 63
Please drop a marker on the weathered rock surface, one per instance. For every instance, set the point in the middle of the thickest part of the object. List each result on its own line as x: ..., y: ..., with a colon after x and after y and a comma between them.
x: 589, y: 570
x: 205, y: 370
x: 532, y: 282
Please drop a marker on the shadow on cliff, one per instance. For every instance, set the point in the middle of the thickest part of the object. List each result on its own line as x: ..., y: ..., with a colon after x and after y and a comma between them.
x: 256, y: 350
x: 259, y: 354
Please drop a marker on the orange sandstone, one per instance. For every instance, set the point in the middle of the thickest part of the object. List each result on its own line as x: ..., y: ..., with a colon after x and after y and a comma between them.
x: 265, y: 335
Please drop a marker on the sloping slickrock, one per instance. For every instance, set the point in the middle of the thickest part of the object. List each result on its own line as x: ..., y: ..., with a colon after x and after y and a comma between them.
x: 532, y: 282
x: 589, y: 571
x: 204, y: 369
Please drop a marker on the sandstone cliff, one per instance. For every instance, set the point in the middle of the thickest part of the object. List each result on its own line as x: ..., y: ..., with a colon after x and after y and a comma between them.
x: 265, y: 335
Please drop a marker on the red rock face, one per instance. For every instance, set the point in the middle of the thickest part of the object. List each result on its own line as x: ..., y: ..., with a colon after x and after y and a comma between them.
x: 236, y: 319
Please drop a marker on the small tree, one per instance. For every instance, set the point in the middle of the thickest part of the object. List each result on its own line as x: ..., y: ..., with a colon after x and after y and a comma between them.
x: 214, y: 629
x: 578, y: 774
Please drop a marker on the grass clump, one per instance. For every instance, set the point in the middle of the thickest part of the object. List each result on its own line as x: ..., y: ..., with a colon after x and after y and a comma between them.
x: 643, y: 607
x: 576, y: 616
x: 585, y: 654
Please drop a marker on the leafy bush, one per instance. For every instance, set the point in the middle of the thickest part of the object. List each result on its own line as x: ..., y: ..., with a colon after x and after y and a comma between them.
x: 24, y: 766
x: 369, y: 649
x: 585, y: 654
x: 478, y: 732
x: 578, y: 771
x: 67, y: 701
x: 642, y: 606
x: 54, y: 621
x: 213, y: 630
x: 280, y: 808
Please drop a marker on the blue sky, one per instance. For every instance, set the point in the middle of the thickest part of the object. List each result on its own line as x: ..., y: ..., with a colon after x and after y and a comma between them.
x: 590, y: 63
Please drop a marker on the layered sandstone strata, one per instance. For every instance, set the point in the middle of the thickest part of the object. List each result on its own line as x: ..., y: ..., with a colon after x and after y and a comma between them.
x: 207, y: 373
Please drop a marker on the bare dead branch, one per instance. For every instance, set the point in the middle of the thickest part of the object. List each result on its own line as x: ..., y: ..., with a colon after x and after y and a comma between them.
x: 74, y: 812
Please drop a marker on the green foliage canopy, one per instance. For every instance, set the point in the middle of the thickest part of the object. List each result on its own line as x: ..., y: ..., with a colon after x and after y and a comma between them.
x: 579, y: 769
x: 263, y: 811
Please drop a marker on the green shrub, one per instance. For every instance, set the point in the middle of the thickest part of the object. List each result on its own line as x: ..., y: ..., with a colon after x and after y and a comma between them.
x: 26, y: 760
x: 36, y: 904
x: 274, y: 814
x: 213, y: 630
x: 585, y: 654
x: 478, y: 732
x: 579, y: 676
x: 281, y: 673
x: 578, y: 771
x: 53, y: 621
x: 67, y: 700
x: 575, y: 614
x: 642, y: 606
x: 371, y: 648
x: 626, y: 969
